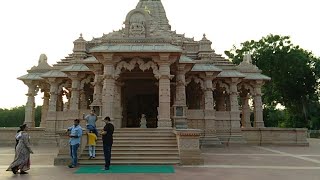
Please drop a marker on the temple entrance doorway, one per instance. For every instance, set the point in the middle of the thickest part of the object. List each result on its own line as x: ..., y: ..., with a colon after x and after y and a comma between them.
x: 139, y: 96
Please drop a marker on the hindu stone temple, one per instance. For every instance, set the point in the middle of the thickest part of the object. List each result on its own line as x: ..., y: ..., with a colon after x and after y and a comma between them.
x: 147, y: 76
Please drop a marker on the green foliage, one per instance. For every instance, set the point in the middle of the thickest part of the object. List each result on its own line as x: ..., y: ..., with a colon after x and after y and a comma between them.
x: 294, y: 73
x: 15, y: 117
x: 273, y: 117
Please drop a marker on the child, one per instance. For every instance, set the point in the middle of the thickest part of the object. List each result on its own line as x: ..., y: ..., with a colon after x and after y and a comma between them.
x: 92, y: 138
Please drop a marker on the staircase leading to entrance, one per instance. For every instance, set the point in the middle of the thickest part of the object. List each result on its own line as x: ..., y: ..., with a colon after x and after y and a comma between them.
x: 137, y: 146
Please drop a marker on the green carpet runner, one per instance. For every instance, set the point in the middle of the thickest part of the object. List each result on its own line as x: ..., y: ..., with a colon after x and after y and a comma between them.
x: 123, y: 169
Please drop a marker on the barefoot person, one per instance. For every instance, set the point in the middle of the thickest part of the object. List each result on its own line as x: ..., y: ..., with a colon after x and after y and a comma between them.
x: 107, y: 138
x: 22, y: 157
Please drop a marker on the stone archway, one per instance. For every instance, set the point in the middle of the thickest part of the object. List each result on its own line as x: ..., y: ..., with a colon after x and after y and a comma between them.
x: 194, y: 92
x: 139, y: 91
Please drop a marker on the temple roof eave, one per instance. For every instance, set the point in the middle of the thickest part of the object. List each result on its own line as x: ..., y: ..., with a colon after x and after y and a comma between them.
x: 165, y: 48
x: 76, y: 68
x: 231, y: 74
x: 186, y: 60
x: 256, y: 76
x: 31, y: 76
x: 205, y: 67
x: 54, y: 74
x: 90, y: 60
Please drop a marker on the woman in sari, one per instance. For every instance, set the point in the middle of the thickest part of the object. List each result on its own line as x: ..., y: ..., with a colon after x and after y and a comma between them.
x: 22, y: 157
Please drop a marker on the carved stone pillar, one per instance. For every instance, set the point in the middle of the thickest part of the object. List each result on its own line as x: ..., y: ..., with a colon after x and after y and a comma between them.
x: 50, y: 136
x: 30, y: 106
x: 164, y: 120
x: 109, y: 85
x: 59, y: 101
x: 53, y: 95
x: 233, y: 134
x: 258, y: 111
x: 208, y: 101
x: 97, y: 84
x: 109, y: 82
x: 117, y: 106
x: 210, y: 138
x: 180, y: 106
x: 75, y: 94
x: 45, y: 108
x: 83, y: 100
x: 245, y: 118
x: 234, y: 104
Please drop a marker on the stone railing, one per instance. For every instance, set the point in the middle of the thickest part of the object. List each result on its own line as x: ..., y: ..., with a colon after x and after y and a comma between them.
x: 189, y: 146
x: 276, y: 136
x: 7, y: 135
x: 63, y: 157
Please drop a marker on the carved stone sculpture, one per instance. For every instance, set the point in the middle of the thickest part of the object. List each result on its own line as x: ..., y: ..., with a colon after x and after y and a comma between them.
x: 143, y: 121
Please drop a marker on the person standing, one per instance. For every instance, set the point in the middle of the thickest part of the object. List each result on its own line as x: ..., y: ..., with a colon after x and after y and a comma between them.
x: 75, y: 133
x: 92, y: 138
x: 91, y: 122
x: 107, y: 139
x: 23, y: 150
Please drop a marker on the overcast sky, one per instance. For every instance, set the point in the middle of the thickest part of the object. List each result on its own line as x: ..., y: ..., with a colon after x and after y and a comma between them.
x: 31, y: 27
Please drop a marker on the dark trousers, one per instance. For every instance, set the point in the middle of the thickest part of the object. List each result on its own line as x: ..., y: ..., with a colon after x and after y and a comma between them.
x: 107, y: 154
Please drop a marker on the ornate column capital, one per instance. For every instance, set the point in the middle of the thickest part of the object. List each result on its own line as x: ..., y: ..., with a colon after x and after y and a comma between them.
x: 181, y: 80
x: 97, y: 69
x: 164, y: 58
x: 29, y: 83
x: 32, y: 89
x: 109, y: 58
x: 233, y: 84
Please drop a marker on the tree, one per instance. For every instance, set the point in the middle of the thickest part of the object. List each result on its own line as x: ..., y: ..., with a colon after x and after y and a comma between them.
x: 15, y: 117
x: 293, y: 71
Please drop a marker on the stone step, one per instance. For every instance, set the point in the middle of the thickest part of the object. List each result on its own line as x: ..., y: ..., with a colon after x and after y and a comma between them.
x: 137, y: 146
x: 142, y: 129
x: 130, y: 145
x: 146, y: 135
x: 129, y: 161
x: 138, y: 153
x: 132, y: 158
x: 141, y: 141
x: 146, y: 148
x: 143, y: 138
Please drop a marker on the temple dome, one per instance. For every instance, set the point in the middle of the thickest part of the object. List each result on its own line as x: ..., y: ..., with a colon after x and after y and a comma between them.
x: 147, y: 19
x: 157, y: 12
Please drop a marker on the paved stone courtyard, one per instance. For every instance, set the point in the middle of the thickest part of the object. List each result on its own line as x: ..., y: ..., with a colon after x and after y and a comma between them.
x: 224, y: 163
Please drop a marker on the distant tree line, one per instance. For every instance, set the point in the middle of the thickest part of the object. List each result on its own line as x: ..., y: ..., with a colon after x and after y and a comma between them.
x: 14, y: 117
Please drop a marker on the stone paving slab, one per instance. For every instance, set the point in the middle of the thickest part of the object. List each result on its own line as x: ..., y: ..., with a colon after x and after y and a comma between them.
x: 227, y: 163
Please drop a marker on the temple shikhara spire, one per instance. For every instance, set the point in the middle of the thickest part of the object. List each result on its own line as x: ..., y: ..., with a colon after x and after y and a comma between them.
x: 148, y: 78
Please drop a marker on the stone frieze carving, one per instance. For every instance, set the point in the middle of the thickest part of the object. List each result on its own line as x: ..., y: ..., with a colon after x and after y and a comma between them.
x: 142, y: 65
x: 196, y: 80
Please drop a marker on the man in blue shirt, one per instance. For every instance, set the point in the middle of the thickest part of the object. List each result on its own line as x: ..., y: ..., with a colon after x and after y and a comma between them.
x: 75, y: 133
